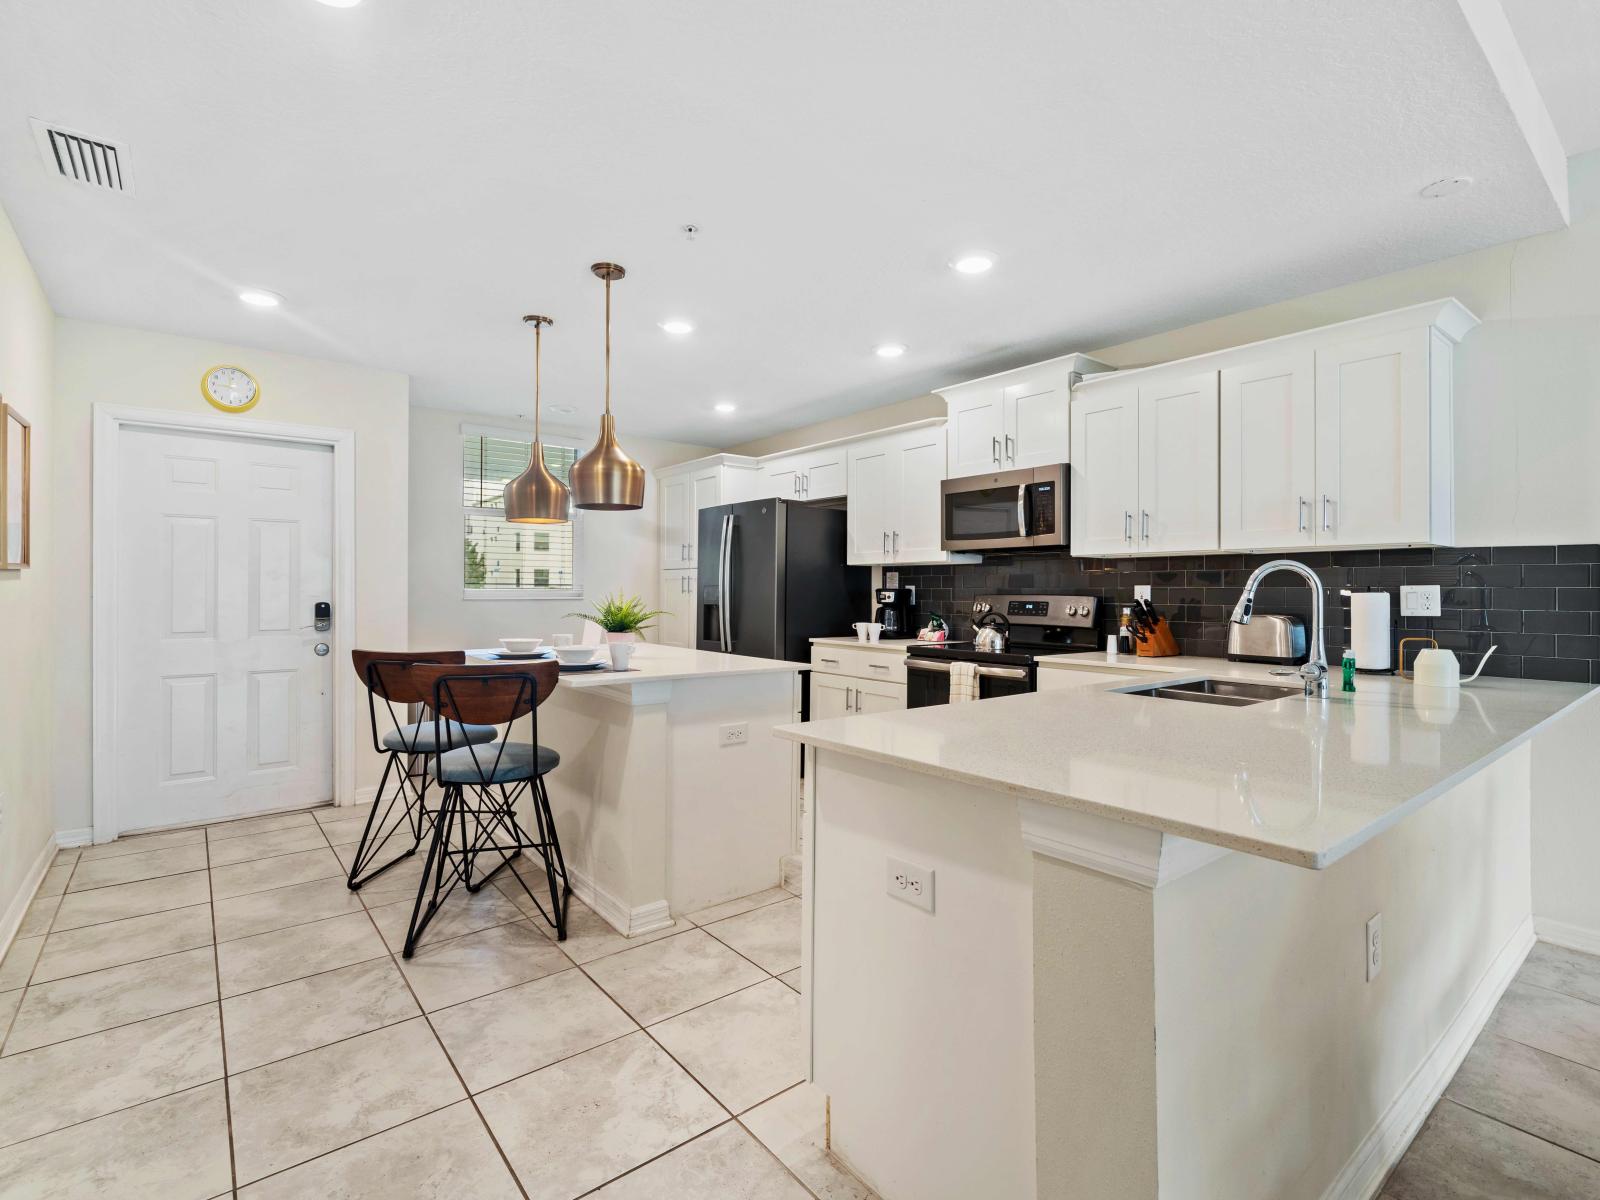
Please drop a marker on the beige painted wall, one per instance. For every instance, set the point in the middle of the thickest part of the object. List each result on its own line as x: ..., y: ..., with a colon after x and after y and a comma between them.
x: 918, y: 408
x: 617, y: 551
x: 112, y: 365
x: 27, y: 655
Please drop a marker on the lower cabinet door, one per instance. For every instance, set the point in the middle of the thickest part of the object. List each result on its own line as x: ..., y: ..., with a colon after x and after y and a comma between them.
x: 675, y: 625
x: 830, y: 695
x: 872, y: 696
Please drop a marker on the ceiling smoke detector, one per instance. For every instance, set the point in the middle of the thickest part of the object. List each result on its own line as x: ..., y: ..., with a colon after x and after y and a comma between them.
x: 1441, y: 188
x: 91, y: 161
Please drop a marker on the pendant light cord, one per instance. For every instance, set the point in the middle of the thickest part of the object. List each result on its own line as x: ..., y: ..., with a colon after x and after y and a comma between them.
x: 608, y: 345
x: 538, y: 345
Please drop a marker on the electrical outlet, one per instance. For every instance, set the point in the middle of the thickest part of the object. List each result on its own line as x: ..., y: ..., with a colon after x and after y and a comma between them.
x: 1374, y: 946
x: 1420, y: 601
x: 891, y: 579
x: 1141, y: 591
x: 911, y: 883
x: 733, y: 735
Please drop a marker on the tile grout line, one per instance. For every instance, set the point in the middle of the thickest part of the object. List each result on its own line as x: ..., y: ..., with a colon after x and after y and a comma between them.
x: 1488, y: 1116
x: 45, y: 940
x: 222, y: 1033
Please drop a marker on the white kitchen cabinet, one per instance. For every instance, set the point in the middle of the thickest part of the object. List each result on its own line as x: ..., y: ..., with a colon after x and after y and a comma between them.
x: 815, y: 474
x: 894, y: 506
x: 675, y: 625
x: 867, y: 505
x: 683, y: 490
x: 831, y: 696
x: 1013, y: 420
x: 1178, y: 465
x: 1267, y: 460
x: 679, y: 519
x: 1105, y: 470
x: 873, y: 696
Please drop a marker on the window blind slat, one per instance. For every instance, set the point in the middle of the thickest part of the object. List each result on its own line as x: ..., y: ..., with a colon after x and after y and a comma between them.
x: 497, y: 554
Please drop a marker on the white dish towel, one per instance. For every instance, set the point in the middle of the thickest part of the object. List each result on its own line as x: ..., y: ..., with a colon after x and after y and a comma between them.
x: 963, y: 681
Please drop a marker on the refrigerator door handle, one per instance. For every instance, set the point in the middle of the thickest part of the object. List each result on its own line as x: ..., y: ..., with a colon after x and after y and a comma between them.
x: 723, y: 590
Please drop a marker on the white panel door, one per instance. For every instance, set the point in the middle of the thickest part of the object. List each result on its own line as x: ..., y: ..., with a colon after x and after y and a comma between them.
x: 1372, y: 441
x: 867, y: 505
x: 1105, y: 470
x: 678, y: 522
x: 976, y: 427
x: 222, y: 706
x: 1267, y: 454
x: 676, y: 602
x: 916, y: 503
x: 1178, y: 465
x: 1038, y: 421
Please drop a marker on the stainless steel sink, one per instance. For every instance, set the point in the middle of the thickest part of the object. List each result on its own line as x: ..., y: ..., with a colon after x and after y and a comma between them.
x: 1234, y: 693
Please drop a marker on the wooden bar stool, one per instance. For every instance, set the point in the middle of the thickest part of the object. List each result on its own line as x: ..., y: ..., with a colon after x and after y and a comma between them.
x: 399, y: 813
x: 481, y: 784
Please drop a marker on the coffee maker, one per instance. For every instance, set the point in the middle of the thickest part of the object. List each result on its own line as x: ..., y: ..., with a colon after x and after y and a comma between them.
x: 896, y: 612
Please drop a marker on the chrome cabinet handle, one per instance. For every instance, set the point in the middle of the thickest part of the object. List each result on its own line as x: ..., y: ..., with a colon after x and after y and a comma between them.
x: 1011, y: 454
x: 1127, y: 527
x: 994, y: 450
x: 832, y: 662
x: 1144, y: 525
x: 1300, y: 513
x: 885, y: 542
x: 1325, y: 502
x: 897, y: 541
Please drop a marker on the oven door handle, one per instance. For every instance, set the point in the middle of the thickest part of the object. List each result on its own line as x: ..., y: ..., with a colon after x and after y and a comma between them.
x: 918, y: 664
x: 943, y: 668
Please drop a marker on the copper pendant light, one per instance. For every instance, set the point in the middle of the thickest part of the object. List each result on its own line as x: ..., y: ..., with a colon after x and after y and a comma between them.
x: 606, y: 477
x: 536, y: 497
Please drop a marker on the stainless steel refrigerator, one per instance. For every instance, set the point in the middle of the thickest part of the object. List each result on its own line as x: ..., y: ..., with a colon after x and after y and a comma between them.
x: 773, y: 576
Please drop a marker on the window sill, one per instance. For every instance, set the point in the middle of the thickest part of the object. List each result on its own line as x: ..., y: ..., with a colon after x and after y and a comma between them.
x: 522, y: 593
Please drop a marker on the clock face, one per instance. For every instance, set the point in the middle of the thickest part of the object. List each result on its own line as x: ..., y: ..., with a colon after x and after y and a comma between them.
x: 230, y: 388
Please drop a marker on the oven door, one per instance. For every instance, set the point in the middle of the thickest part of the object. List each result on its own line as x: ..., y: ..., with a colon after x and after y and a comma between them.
x: 928, y: 681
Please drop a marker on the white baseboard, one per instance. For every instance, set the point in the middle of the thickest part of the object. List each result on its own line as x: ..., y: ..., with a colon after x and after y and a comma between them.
x: 18, y: 908
x: 1573, y: 937
x: 1381, y: 1149
x: 630, y: 922
x: 75, y: 837
x: 364, y: 795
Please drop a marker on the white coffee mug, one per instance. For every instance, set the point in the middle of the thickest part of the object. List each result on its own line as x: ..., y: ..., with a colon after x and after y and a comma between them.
x: 561, y: 639
x: 621, y: 652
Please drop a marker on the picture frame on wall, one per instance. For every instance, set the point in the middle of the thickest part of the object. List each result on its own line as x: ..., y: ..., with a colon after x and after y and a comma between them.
x: 16, y: 465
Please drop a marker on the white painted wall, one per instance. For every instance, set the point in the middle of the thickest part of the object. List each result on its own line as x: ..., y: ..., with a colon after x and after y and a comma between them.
x: 107, y: 364
x: 1566, y: 829
x: 27, y: 656
x: 617, y: 550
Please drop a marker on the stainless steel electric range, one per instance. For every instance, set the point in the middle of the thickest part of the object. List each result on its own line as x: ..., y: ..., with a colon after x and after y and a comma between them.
x: 1034, y: 626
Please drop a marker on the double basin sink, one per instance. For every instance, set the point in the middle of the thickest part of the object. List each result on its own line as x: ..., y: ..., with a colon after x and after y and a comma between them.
x: 1234, y: 693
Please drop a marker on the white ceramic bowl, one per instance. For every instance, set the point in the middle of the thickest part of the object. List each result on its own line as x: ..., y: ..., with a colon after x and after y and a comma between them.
x: 521, y: 645
x: 576, y: 654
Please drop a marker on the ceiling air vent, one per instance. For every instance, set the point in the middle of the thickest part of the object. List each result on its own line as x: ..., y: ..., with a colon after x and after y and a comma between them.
x: 84, y: 159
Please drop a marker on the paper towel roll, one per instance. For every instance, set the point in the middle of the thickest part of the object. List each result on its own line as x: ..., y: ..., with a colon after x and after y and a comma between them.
x: 1369, y: 630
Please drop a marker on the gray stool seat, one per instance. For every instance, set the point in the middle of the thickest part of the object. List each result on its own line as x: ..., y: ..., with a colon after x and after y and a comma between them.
x: 419, y: 738
x: 519, y: 761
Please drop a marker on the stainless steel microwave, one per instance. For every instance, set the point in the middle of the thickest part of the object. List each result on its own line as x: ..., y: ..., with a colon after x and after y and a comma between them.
x: 1005, y: 510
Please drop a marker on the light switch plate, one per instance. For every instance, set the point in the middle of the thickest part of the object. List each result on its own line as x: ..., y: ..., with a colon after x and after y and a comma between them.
x: 891, y: 579
x: 1419, y: 600
x: 911, y: 883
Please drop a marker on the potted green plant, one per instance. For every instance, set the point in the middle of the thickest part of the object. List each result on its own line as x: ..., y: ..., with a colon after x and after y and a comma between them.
x: 622, y: 618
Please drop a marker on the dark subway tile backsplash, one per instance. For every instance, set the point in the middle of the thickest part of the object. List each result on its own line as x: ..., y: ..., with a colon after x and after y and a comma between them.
x: 1539, y: 604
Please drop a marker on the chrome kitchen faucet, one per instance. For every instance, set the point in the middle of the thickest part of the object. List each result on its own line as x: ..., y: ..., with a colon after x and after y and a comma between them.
x: 1315, y: 671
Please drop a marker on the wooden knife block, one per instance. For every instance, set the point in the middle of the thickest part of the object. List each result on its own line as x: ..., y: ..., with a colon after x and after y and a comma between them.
x: 1158, y: 642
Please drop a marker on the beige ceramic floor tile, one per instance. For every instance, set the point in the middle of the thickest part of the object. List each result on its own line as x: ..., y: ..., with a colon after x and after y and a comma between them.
x: 1461, y: 1155
x: 1551, y: 1021
x: 348, y: 833
x: 105, y: 999
x: 398, y: 883
x: 506, y: 1034
x: 95, y: 947
x: 8, y: 1009
x: 589, y: 935
x: 576, y: 1124
x: 132, y: 900
x: 1539, y: 1093
x: 37, y: 920
x: 248, y: 825
x: 55, y: 880
x: 792, y: 978
x: 333, y: 813
x: 67, y: 854
x: 768, y: 937
x: 1562, y: 970
x: 445, y: 1154
x: 143, y: 843
x: 461, y: 912
x: 129, y: 868
x: 74, y: 1081
x: 293, y: 1110
x: 279, y: 908
x: 239, y: 879
x: 732, y: 908
x: 677, y: 973
x: 265, y: 959
x: 267, y: 845
x: 745, y: 1048
x: 17, y: 965
x: 476, y: 964
x: 175, y: 1148
x: 793, y: 1126
x: 291, y: 1018
x: 725, y: 1162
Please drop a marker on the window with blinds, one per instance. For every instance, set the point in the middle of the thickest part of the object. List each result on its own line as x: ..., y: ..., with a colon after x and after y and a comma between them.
x: 499, y: 557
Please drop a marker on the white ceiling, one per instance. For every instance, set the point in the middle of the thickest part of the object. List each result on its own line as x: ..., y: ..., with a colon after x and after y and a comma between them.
x: 414, y: 175
x: 1561, y: 41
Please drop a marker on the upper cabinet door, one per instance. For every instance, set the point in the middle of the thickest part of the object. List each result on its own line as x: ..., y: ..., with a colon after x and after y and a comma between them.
x: 1038, y: 421
x: 975, y: 429
x: 1267, y: 454
x: 705, y: 491
x: 1105, y: 470
x: 1373, y: 448
x: 678, y: 523
x: 916, y: 502
x: 866, y: 508
x: 1178, y: 465
x: 822, y: 474
x: 780, y: 479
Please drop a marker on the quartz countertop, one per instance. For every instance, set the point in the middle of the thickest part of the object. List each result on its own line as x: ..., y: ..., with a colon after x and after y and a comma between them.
x: 1301, y: 781
x: 892, y: 645
x: 663, y: 664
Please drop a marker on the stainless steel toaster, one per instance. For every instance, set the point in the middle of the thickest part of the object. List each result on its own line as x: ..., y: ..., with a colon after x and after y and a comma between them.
x: 1268, y: 638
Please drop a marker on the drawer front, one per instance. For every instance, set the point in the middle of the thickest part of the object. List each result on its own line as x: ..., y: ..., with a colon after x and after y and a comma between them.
x: 883, y: 665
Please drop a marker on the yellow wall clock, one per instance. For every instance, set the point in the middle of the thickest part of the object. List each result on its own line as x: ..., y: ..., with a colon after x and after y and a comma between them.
x: 231, y: 389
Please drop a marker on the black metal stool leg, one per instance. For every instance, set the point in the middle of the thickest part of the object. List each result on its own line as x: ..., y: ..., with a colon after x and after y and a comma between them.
x: 438, y: 855
x: 413, y: 797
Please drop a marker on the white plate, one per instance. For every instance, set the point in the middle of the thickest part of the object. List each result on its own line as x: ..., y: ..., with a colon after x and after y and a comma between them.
x: 529, y: 654
x: 586, y: 666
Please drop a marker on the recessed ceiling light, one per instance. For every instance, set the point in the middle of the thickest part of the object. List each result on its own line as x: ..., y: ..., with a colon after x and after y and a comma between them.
x: 565, y: 410
x: 972, y: 264
x: 1440, y: 188
x: 678, y: 325
x: 341, y: 3
x: 726, y: 407
x: 889, y: 350
x: 256, y: 298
